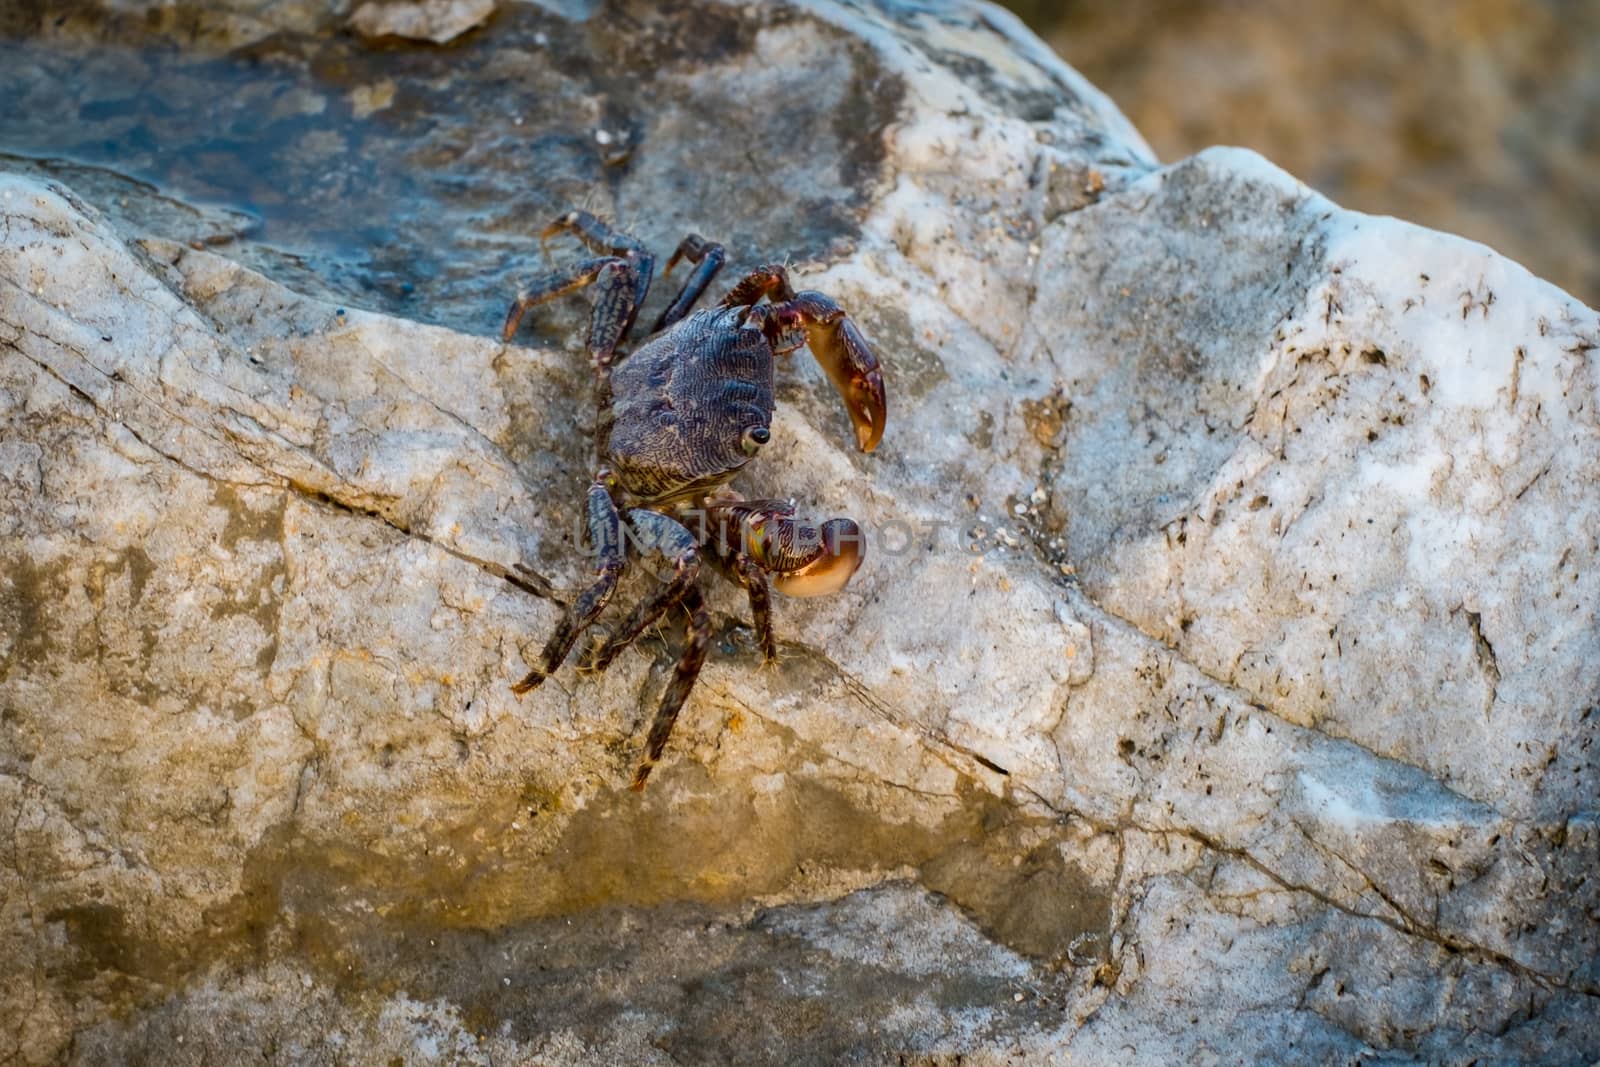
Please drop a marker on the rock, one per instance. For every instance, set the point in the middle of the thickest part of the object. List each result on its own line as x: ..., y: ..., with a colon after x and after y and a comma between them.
x: 1465, y: 116
x: 1228, y: 612
x: 439, y: 21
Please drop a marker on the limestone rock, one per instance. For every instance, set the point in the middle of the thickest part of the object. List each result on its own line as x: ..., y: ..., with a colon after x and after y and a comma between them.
x: 439, y: 21
x: 1218, y: 686
x: 1467, y: 116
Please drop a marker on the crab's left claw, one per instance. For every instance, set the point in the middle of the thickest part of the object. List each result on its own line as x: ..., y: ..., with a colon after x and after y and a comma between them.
x: 837, y: 343
x: 806, y: 560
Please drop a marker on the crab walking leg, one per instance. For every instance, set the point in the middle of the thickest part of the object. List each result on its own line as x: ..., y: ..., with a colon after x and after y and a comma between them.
x: 598, y: 237
x: 622, y: 286
x: 605, y: 531
x: 754, y: 580
x: 549, y: 286
x: 595, y: 234
x: 688, y: 669
x: 726, y: 532
x: 653, y: 534
x: 707, y: 256
x: 629, y: 265
x: 622, y: 289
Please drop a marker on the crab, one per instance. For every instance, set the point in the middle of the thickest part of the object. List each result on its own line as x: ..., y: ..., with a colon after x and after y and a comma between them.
x: 675, y: 421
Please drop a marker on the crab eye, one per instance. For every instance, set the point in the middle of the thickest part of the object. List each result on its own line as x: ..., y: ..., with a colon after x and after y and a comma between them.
x: 754, y: 438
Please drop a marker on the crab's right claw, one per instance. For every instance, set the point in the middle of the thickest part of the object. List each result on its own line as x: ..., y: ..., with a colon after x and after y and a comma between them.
x: 837, y: 343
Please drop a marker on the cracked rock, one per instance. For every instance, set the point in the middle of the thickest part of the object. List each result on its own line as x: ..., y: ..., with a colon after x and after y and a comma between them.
x: 1265, y: 732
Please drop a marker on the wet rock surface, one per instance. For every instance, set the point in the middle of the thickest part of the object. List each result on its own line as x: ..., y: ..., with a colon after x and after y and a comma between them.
x: 1218, y: 686
x: 408, y: 179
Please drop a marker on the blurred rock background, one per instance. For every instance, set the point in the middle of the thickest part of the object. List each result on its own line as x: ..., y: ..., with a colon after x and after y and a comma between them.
x: 1479, y: 117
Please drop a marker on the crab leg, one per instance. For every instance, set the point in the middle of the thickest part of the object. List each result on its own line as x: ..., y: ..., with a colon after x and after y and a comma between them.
x: 605, y: 531
x: 688, y: 669
x: 595, y: 234
x: 754, y: 580
x: 725, y: 531
x: 549, y: 286
x: 624, y: 276
x: 622, y: 288
x: 598, y: 237
x: 653, y: 534
x: 707, y: 256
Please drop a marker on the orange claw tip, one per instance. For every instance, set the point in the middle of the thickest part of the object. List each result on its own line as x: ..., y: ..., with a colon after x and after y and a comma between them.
x: 868, y: 409
x: 843, y: 550
x: 848, y: 360
x: 855, y: 362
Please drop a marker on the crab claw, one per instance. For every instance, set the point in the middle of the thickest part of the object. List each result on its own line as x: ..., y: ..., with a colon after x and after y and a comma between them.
x: 837, y: 344
x: 805, y: 560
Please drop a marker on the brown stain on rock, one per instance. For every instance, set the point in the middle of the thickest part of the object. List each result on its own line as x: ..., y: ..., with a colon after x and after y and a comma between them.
x: 695, y: 839
x: 136, y: 563
x: 245, y: 523
x: 540, y: 911
x: 26, y: 592
x: 261, y: 599
x: 344, y: 905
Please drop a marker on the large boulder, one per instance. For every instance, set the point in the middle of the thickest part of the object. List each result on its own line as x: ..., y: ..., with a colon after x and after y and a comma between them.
x: 1220, y: 683
x: 1469, y: 116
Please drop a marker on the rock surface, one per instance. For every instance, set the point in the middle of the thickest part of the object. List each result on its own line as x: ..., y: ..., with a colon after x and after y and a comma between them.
x: 1473, y: 116
x: 439, y: 21
x: 1219, y: 685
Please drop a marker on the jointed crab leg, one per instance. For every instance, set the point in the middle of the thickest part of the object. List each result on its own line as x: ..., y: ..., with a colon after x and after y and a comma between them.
x: 754, y: 580
x: 654, y: 533
x: 707, y: 257
x: 624, y: 278
x: 725, y: 531
x: 622, y: 290
x: 596, y: 235
x: 623, y: 285
x: 688, y: 669
x: 549, y: 286
x: 605, y: 530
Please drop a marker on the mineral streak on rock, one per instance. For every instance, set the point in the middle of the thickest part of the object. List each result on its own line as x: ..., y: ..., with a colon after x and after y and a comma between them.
x: 1258, y: 724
